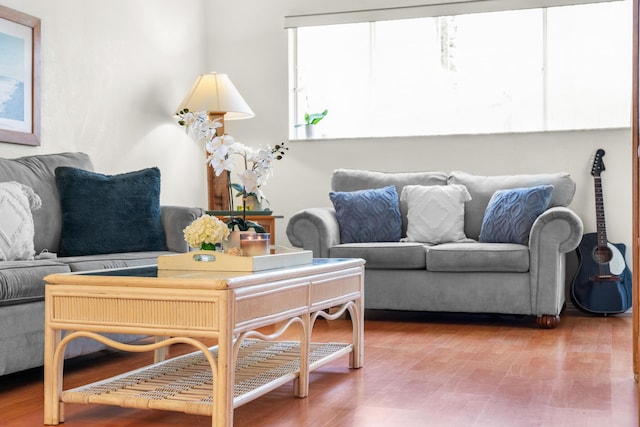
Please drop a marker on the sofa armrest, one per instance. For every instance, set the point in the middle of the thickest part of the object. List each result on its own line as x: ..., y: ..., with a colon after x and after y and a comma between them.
x: 314, y: 229
x: 555, y: 232
x: 174, y: 220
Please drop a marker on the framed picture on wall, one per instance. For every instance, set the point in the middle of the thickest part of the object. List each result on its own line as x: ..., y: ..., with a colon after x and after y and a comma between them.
x: 19, y: 77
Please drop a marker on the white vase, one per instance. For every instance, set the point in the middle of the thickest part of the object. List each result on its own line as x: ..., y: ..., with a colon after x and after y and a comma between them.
x: 310, y: 131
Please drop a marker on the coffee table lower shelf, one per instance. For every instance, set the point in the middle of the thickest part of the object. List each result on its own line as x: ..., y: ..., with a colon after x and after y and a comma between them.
x: 185, y: 383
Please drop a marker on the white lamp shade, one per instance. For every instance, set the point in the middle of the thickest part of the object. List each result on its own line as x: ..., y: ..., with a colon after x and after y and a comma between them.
x: 214, y: 93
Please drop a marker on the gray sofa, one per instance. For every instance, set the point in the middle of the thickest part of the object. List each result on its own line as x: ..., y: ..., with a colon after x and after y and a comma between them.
x: 465, y: 275
x: 21, y: 280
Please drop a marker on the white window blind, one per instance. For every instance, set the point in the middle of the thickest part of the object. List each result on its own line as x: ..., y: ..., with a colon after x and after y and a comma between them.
x: 331, y: 13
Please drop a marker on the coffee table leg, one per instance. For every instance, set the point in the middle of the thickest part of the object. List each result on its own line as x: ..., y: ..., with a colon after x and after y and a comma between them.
x: 223, y: 393
x: 160, y: 354
x: 224, y: 384
x: 301, y: 384
x: 52, y: 378
x: 357, y: 321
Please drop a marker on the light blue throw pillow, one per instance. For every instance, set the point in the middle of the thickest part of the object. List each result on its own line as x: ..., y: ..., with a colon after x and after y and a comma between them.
x: 368, y: 215
x: 511, y: 213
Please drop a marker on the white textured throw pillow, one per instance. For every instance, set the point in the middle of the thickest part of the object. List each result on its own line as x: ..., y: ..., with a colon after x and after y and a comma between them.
x: 435, y: 213
x: 16, y: 227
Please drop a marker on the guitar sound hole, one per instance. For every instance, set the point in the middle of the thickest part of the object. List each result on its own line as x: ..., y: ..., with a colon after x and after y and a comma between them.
x: 602, y: 255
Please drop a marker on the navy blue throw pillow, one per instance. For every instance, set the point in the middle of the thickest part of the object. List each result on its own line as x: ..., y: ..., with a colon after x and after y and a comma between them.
x: 368, y: 215
x: 511, y: 213
x: 103, y: 214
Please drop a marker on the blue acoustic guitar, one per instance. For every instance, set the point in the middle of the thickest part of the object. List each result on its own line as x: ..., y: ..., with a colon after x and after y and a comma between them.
x: 602, y: 284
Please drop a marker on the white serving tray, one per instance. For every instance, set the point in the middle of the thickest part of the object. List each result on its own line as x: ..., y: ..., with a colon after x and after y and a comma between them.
x: 218, y: 261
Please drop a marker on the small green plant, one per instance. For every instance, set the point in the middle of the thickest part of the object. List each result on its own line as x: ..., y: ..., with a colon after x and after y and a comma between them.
x: 314, y: 118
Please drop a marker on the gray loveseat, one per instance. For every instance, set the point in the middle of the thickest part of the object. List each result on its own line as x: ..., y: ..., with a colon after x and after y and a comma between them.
x: 465, y: 275
x: 21, y: 280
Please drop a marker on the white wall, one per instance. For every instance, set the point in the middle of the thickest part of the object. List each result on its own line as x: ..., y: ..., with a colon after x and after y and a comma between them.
x: 113, y: 72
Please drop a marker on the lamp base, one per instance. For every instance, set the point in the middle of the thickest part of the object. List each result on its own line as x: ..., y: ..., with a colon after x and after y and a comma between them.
x: 217, y: 190
x: 217, y: 186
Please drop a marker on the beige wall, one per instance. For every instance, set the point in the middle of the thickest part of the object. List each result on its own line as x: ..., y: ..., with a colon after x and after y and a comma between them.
x: 114, y: 71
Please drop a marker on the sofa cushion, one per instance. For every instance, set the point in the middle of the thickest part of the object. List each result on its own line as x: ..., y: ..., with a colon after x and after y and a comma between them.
x: 368, y: 215
x: 474, y: 256
x: 104, y: 214
x: 16, y: 228
x: 37, y: 172
x: 22, y: 281
x: 119, y: 260
x: 352, y: 180
x: 388, y: 256
x: 482, y: 188
x: 435, y: 212
x: 511, y: 213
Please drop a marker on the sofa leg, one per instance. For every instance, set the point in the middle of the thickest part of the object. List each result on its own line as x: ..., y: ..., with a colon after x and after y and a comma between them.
x: 547, y: 321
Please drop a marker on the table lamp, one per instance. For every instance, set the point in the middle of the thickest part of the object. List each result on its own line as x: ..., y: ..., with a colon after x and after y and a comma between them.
x: 215, y: 94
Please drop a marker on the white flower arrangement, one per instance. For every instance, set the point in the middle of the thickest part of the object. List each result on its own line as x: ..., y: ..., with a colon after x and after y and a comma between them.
x: 221, y: 149
x: 206, y: 232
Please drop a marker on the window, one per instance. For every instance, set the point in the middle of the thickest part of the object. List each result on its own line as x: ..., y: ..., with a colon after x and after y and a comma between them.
x: 557, y: 68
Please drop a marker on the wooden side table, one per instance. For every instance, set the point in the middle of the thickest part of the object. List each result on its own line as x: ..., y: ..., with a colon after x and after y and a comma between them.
x: 265, y: 219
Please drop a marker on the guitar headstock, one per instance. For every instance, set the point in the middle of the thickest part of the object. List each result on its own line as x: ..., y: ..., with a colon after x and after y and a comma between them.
x: 598, y: 164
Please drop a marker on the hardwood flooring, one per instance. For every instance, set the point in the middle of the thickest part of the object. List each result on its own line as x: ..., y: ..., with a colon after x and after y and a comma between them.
x: 419, y: 370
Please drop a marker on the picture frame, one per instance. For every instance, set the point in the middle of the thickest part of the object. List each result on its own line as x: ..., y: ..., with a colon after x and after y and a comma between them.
x: 20, y: 69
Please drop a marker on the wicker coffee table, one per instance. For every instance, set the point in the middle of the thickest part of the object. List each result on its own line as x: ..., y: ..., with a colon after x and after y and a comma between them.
x: 187, y: 307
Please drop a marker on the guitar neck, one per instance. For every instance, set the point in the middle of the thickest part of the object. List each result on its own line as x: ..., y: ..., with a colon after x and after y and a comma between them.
x: 601, y: 229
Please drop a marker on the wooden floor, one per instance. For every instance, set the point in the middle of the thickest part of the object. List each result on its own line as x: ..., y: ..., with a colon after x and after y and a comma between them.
x: 420, y: 370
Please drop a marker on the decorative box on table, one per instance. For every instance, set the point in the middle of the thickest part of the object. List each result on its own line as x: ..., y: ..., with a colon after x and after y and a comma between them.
x: 219, y: 261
